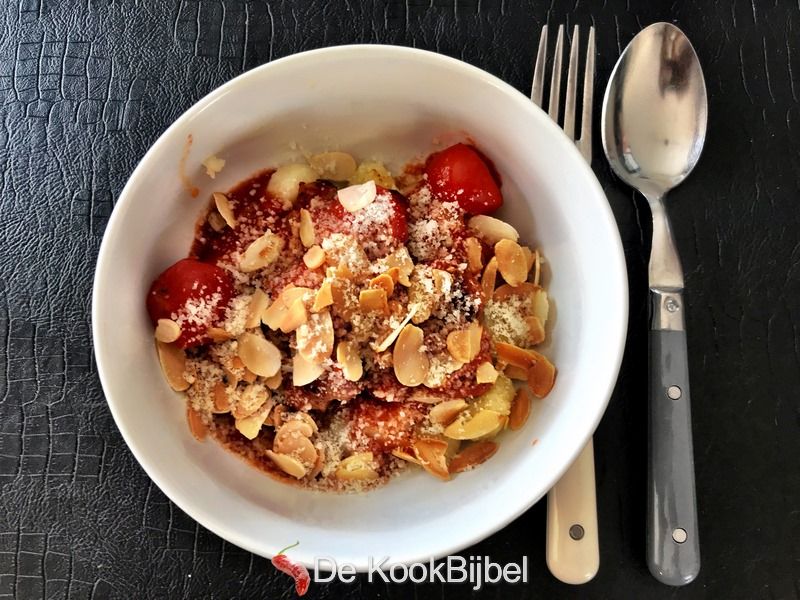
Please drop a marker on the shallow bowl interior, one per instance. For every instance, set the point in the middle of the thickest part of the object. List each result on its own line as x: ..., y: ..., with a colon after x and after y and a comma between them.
x: 392, y: 104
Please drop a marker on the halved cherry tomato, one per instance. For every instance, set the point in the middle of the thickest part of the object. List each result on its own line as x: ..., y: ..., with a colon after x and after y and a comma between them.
x: 458, y: 173
x: 194, y: 293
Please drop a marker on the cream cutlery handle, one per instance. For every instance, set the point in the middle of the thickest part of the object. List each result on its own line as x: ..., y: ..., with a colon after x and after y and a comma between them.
x: 573, y: 554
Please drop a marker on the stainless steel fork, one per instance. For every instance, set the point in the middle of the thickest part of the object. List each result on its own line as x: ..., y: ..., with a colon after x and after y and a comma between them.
x: 573, y: 554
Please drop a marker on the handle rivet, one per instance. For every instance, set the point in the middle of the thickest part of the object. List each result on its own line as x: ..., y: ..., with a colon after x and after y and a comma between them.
x: 671, y: 305
x: 674, y: 392
x: 679, y: 535
x: 576, y: 532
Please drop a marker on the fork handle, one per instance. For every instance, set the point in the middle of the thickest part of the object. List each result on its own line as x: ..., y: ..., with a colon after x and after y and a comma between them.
x: 571, y: 514
x: 673, y: 549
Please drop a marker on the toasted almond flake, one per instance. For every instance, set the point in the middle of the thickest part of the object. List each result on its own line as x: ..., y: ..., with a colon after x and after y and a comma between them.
x: 541, y: 376
x: 318, y: 466
x: 514, y: 355
x: 285, y: 181
x: 167, y: 331
x: 216, y: 221
x: 288, y: 464
x: 483, y: 423
x: 277, y: 416
x: 250, y: 426
x: 489, y: 278
x: 385, y: 282
x: 411, y: 364
x: 492, y: 230
x: 511, y: 262
x: 218, y: 335
x: 446, y: 412
x: 530, y: 257
x: 222, y: 401
x: 373, y: 300
x: 304, y: 417
x: 472, y: 456
x: 173, y: 364
x: 274, y: 382
x: 294, y: 317
x: 357, y: 467
x: 474, y: 254
x: 465, y: 344
x: 258, y: 304
x: 537, y: 267
x: 337, y: 166
x: 304, y: 371
x: 516, y: 373
x: 525, y: 289
x: 389, y: 340
x: 262, y: 252
x: 224, y: 209
x: 323, y: 297
x: 213, y: 165
x: 252, y: 398
x: 292, y: 439
x: 431, y: 455
x: 403, y: 455
x: 349, y: 359
x: 486, y: 373
x: 401, y: 260
x: 315, y: 337
x: 276, y: 312
x: 541, y: 306
x: 356, y: 197
x: 520, y: 409
x: 307, y: 235
x: 249, y: 376
x: 259, y: 355
x: 343, y: 271
x: 536, y: 333
x: 197, y: 426
x: 314, y: 257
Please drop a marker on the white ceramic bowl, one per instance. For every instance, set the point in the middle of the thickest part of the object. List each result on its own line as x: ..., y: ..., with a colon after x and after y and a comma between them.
x: 388, y: 103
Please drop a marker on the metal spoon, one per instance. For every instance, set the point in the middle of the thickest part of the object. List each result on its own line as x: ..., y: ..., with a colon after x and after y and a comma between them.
x: 654, y: 126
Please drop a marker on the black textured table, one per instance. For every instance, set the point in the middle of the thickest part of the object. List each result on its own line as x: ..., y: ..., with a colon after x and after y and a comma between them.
x: 88, y: 86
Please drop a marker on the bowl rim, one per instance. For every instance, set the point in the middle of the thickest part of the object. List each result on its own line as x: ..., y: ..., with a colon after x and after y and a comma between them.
x: 450, y: 544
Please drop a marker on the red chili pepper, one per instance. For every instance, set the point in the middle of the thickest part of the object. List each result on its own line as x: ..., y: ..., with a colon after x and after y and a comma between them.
x: 297, y: 571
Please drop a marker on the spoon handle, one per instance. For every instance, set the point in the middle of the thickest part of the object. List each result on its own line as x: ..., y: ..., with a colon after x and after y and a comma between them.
x: 673, y: 549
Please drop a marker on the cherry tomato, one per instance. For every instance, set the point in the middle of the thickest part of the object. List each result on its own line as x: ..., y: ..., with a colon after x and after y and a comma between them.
x: 193, y: 293
x: 458, y: 173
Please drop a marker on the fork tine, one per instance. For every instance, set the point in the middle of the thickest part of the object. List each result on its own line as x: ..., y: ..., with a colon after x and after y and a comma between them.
x: 555, y: 80
x: 588, y: 89
x: 537, y: 87
x: 572, y: 84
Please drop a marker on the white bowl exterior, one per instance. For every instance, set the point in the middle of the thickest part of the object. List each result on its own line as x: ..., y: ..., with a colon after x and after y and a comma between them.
x: 388, y: 103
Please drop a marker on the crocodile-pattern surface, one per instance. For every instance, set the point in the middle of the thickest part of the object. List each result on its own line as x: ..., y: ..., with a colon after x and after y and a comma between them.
x: 87, y: 86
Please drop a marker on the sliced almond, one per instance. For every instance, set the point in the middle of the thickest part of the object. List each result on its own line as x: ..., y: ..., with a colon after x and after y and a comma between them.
x: 319, y: 464
x: 541, y: 376
x: 530, y: 257
x: 197, y: 426
x: 465, y: 344
x: 250, y: 426
x: 323, y: 297
x: 285, y: 182
x: 514, y: 355
x: 373, y: 299
x: 307, y: 235
x: 276, y: 419
x: 258, y: 304
x: 224, y: 208
x: 218, y: 335
x: 167, y: 331
x: 472, y: 456
x: 516, y: 373
x: 294, y: 317
x: 446, y: 412
x: 357, y: 467
x: 259, y: 355
x: 520, y: 409
x: 525, y: 289
x: 216, y: 221
x: 173, y: 364
x: 305, y: 371
x: 276, y: 312
x: 349, y: 359
x: 431, y: 455
x: 315, y: 337
x: 492, y: 230
x: 411, y: 364
x: 337, y: 166
x: 535, y: 330
x: 262, y: 252
x: 288, y: 464
x: 511, y: 262
x: 474, y: 254
x: 489, y: 278
x: 293, y: 439
x: 537, y: 267
x: 252, y: 398
x: 401, y: 260
x: 222, y: 400
x: 541, y: 306
x: 403, y: 455
x: 486, y: 373
x: 314, y: 257
x: 394, y: 274
x: 249, y: 376
x: 274, y: 382
x: 389, y: 339
x: 304, y: 417
x: 483, y: 423
x: 356, y: 197
x: 384, y: 282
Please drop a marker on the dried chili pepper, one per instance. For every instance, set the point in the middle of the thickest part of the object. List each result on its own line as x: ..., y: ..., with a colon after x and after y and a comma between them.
x: 297, y: 571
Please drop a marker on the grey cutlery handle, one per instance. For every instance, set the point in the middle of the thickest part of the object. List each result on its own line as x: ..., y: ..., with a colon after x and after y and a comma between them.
x: 673, y: 548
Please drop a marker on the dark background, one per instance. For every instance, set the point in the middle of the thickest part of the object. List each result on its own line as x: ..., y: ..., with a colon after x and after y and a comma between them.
x: 87, y: 86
